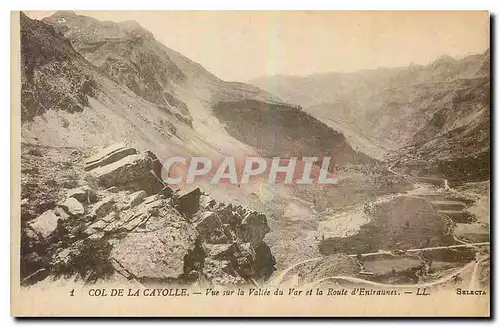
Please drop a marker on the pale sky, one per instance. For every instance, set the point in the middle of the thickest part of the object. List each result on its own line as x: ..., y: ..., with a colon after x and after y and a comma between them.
x: 239, y: 46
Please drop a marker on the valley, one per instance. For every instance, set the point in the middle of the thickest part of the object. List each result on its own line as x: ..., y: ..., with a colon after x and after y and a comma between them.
x: 409, y: 149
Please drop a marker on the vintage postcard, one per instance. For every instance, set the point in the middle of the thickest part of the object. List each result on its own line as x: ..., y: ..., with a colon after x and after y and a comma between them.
x: 250, y: 163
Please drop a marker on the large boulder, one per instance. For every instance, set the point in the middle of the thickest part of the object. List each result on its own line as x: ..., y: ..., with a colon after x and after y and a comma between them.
x: 221, y: 272
x: 156, y: 164
x: 45, y: 224
x: 189, y: 203
x: 134, y: 172
x: 149, y: 183
x: 123, y: 171
x: 264, y: 264
x: 72, y: 207
x: 253, y: 228
x: 108, y: 155
x: 158, y: 252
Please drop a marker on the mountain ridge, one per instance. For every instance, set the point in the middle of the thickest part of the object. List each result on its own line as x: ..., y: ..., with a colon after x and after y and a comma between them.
x: 399, y: 107
x: 127, y: 55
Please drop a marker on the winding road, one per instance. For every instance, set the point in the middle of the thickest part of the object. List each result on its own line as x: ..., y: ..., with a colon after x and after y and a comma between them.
x: 279, y: 278
x: 442, y: 280
x: 474, y: 265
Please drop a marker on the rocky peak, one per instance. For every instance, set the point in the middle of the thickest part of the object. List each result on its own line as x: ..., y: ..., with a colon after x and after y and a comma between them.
x: 126, y: 51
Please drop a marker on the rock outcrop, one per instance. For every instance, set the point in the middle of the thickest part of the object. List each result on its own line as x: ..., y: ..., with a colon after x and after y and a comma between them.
x: 109, y: 155
x: 126, y: 221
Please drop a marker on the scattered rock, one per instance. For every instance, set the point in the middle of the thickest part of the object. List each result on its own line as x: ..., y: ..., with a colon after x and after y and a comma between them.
x: 110, y: 217
x: 61, y: 213
x: 141, y: 230
x: 72, y: 207
x: 112, y: 189
x: 83, y: 194
x: 152, y: 198
x: 45, y: 224
x: 102, y: 207
x: 113, y: 226
x: 135, y: 222
x: 98, y: 226
x: 149, y: 207
x: 62, y: 257
x: 97, y: 235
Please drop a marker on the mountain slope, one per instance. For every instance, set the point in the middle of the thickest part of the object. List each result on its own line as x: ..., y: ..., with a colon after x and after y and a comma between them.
x: 53, y: 75
x: 67, y: 101
x: 443, y: 106
x: 130, y: 56
x: 217, y: 112
x: 282, y: 130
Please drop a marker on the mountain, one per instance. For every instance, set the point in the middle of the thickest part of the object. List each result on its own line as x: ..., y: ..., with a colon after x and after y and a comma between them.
x: 153, y: 90
x: 439, y: 111
x: 130, y: 55
x: 67, y: 101
x: 53, y: 75
x: 282, y: 130
x: 88, y: 84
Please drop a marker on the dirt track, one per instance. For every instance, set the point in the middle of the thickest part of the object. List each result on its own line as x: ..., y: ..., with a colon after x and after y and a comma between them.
x: 475, y: 264
x: 279, y: 278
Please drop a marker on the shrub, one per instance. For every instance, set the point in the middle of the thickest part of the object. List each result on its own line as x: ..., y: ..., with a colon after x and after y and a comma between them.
x: 89, y: 258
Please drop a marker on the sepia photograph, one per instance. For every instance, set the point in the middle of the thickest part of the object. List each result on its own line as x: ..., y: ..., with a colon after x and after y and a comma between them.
x: 251, y: 163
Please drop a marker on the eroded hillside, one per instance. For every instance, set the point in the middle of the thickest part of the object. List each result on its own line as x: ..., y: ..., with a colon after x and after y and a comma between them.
x: 446, y: 103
